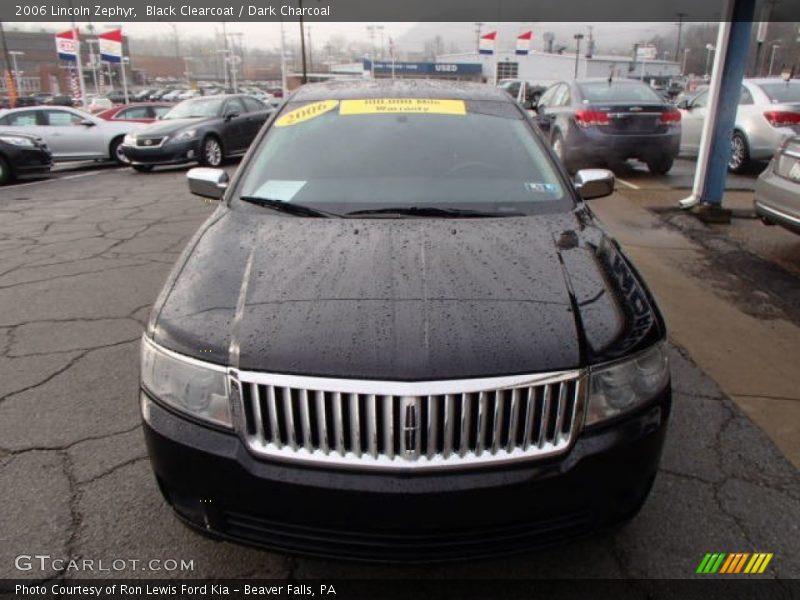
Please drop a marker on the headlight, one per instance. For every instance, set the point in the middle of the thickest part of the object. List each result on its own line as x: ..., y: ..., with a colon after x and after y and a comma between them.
x: 15, y: 140
x: 184, y: 136
x: 623, y: 386
x: 129, y: 140
x: 198, y: 389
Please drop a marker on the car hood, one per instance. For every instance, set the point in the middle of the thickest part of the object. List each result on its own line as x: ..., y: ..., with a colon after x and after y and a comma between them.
x: 403, y: 299
x: 170, y: 126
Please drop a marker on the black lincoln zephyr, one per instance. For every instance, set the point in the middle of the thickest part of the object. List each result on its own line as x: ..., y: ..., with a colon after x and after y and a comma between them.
x: 402, y: 335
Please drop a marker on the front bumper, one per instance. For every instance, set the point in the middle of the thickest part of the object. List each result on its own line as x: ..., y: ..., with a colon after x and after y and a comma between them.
x: 29, y: 161
x: 216, y: 486
x: 175, y: 153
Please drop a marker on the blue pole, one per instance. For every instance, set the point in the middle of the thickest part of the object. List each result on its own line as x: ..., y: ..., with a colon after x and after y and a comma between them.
x: 730, y: 89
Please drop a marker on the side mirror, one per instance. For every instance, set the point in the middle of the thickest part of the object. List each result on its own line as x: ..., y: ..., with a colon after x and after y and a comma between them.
x: 684, y: 104
x: 594, y: 183
x: 207, y: 183
x: 87, y: 122
x: 231, y: 115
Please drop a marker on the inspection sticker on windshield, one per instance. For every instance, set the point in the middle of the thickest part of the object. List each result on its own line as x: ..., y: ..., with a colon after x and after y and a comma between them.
x: 306, y: 113
x: 371, y: 106
x: 542, y: 188
x: 279, y: 189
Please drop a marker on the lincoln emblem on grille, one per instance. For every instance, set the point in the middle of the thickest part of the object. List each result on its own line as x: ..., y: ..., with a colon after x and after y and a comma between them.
x: 410, y: 426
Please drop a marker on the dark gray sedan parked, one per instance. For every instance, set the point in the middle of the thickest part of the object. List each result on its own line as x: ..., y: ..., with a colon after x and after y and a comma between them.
x: 777, y: 199
x: 205, y: 130
x: 597, y: 122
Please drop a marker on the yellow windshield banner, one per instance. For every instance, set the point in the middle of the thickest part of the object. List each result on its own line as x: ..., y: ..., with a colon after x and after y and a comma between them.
x: 306, y: 113
x: 372, y: 106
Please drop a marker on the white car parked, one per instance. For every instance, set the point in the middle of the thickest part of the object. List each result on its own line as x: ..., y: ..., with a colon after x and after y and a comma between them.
x: 768, y: 113
x: 70, y: 133
x: 189, y: 94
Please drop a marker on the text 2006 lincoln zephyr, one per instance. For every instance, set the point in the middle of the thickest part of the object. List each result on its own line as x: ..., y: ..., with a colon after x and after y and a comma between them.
x: 402, y: 335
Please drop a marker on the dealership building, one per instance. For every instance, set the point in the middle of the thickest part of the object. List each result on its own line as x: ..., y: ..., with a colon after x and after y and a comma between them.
x: 545, y: 67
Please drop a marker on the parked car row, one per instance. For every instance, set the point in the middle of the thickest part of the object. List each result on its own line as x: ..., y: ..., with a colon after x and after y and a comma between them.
x: 599, y: 122
x: 205, y: 129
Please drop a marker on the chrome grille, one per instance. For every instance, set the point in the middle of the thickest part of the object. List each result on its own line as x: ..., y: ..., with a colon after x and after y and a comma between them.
x: 456, y: 422
x: 150, y: 142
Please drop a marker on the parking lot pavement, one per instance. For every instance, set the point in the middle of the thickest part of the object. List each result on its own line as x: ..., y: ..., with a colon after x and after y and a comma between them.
x: 634, y: 175
x: 82, y: 259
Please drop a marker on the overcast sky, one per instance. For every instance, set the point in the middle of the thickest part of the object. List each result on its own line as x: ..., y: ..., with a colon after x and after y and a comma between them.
x: 408, y: 36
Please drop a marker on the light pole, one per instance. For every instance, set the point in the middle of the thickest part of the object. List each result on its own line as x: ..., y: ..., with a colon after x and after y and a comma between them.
x: 310, y: 50
x: 578, y: 37
x: 177, y: 40
x: 771, y: 59
x: 709, y: 51
x: 371, y: 29
x: 380, y: 29
x: 685, y: 59
x: 122, y: 61
x: 15, y: 53
x: 186, y: 61
x: 680, y: 31
x: 93, y: 62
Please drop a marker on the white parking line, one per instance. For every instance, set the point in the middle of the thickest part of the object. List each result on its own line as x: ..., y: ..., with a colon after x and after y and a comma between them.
x: 76, y: 176
x: 633, y: 186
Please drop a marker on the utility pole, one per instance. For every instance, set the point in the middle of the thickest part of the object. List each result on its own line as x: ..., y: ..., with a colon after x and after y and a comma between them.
x: 177, y: 42
x: 478, y: 26
x: 310, y: 51
x: 681, y: 15
x: 225, y: 56
x: 578, y: 37
x: 12, y: 88
x: 303, y: 42
x: 283, y: 62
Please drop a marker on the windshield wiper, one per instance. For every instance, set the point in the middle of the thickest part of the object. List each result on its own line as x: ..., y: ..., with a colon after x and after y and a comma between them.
x: 287, y: 207
x: 430, y: 211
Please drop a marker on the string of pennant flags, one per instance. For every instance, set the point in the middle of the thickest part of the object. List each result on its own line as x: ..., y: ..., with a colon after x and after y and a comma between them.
x: 487, y: 42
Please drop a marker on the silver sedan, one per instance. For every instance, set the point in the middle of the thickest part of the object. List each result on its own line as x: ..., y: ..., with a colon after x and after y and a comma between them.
x: 70, y: 133
x: 777, y: 199
x: 768, y: 113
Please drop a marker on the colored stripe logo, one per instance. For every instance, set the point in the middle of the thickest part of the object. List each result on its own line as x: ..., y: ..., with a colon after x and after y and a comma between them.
x: 734, y: 563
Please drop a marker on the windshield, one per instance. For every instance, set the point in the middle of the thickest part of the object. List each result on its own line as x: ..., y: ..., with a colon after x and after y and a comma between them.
x: 782, y: 91
x: 617, y: 91
x: 199, y: 107
x: 355, y: 155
